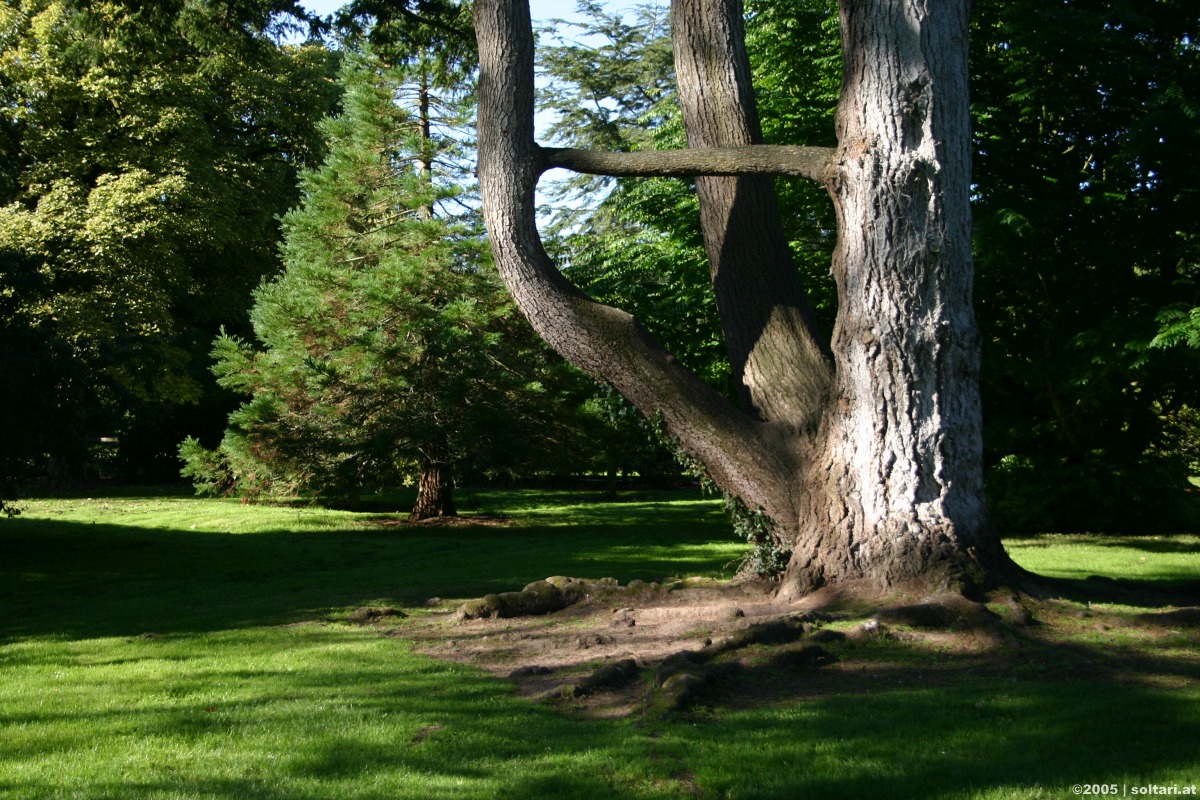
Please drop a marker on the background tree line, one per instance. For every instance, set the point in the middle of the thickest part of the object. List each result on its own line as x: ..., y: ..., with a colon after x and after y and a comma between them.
x: 148, y: 155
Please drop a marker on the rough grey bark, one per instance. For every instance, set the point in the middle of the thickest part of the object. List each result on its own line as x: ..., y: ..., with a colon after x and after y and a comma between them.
x: 866, y: 455
x: 899, y: 491
x: 801, y: 162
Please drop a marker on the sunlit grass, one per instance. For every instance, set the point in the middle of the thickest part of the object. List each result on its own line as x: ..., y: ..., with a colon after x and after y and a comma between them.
x: 1148, y: 558
x: 316, y: 711
x: 164, y: 647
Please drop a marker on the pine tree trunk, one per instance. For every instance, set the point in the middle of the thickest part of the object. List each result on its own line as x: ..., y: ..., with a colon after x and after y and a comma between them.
x: 435, y: 493
x: 425, y: 150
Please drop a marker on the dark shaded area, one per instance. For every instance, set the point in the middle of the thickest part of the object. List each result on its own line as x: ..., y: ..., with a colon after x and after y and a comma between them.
x: 1086, y: 233
x: 960, y: 733
x: 1100, y: 589
x: 1149, y: 544
x: 88, y: 580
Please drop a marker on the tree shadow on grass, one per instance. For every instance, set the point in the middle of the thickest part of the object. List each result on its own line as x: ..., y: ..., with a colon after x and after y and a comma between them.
x: 966, y: 739
x: 440, y: 731
x: 350, y: 716
x: 84, y: 580
x: 1123, y: 591
x: 1158, y: 544
x: 938, y: 729
x: 1149, y: 543
x: 1031, y: 716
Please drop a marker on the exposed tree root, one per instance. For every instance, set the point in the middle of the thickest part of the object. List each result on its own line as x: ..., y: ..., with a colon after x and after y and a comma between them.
x: 598, y: 648
x: 552, y: 594
x: 369, y: 614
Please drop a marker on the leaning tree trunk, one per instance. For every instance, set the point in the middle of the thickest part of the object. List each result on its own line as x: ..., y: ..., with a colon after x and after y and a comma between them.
x: 435, y: 492
x: 865, y: 456
x: 779, y: 362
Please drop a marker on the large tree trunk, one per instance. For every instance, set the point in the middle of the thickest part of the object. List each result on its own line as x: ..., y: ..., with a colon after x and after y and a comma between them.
x: 865, y: 455
x: 435, y: 492
x: 895, y: 486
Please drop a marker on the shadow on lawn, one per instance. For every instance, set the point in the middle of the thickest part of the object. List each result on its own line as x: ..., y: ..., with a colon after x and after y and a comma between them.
x: 1178, y: 591
x: 947, y: 741
x: 1149, y: 544
x: 1082, y: 714
x: 465, y: 736
x: 85, y: 580
x: 1031, y: 716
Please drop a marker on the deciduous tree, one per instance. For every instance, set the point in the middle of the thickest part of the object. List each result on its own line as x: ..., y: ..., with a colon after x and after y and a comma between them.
x: 864, y: 453
x: 1086, y: 237
x: 146, y: 150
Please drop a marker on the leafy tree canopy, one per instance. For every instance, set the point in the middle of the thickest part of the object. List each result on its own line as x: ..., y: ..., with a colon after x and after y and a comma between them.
x: 145, y: 152
x: 1086, y: 188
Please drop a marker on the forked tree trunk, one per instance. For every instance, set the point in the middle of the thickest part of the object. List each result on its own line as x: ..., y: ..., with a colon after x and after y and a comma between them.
x: 780, y: 366
x: 866, y: 455
x: 435, y: 492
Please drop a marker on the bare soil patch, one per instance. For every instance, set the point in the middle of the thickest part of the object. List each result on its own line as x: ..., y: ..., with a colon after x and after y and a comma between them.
x: 472, y: 520
x: 549, y: 655
x: 662, y: 648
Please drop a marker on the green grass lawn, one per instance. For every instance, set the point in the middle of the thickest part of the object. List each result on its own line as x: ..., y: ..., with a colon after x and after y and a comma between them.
x: 168, y: 647
x: 1078, y: 556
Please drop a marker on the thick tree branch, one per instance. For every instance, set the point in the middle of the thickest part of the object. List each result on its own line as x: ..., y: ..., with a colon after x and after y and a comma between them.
x: 761, y: 159
x: 743, y: 454
x: 779, y: 356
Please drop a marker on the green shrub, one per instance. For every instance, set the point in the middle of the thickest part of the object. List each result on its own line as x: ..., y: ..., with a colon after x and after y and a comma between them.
x: 1048, y: 493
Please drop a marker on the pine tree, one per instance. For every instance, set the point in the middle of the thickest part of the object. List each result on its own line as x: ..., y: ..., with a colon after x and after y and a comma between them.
x: 388, y: 349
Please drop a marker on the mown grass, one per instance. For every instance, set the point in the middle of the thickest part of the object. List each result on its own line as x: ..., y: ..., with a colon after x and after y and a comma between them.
x: 167, y: 647
x: 125, y: 566
x: 1078, y: 556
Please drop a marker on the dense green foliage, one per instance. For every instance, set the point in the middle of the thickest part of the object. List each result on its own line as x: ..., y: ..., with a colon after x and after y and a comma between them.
x: 145, y: 153
x: 1087, y: 244
x: 634, y: 243
x: 388, y: 347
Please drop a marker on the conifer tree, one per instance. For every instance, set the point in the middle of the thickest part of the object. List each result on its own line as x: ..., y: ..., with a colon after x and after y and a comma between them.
x: 388, y: 349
